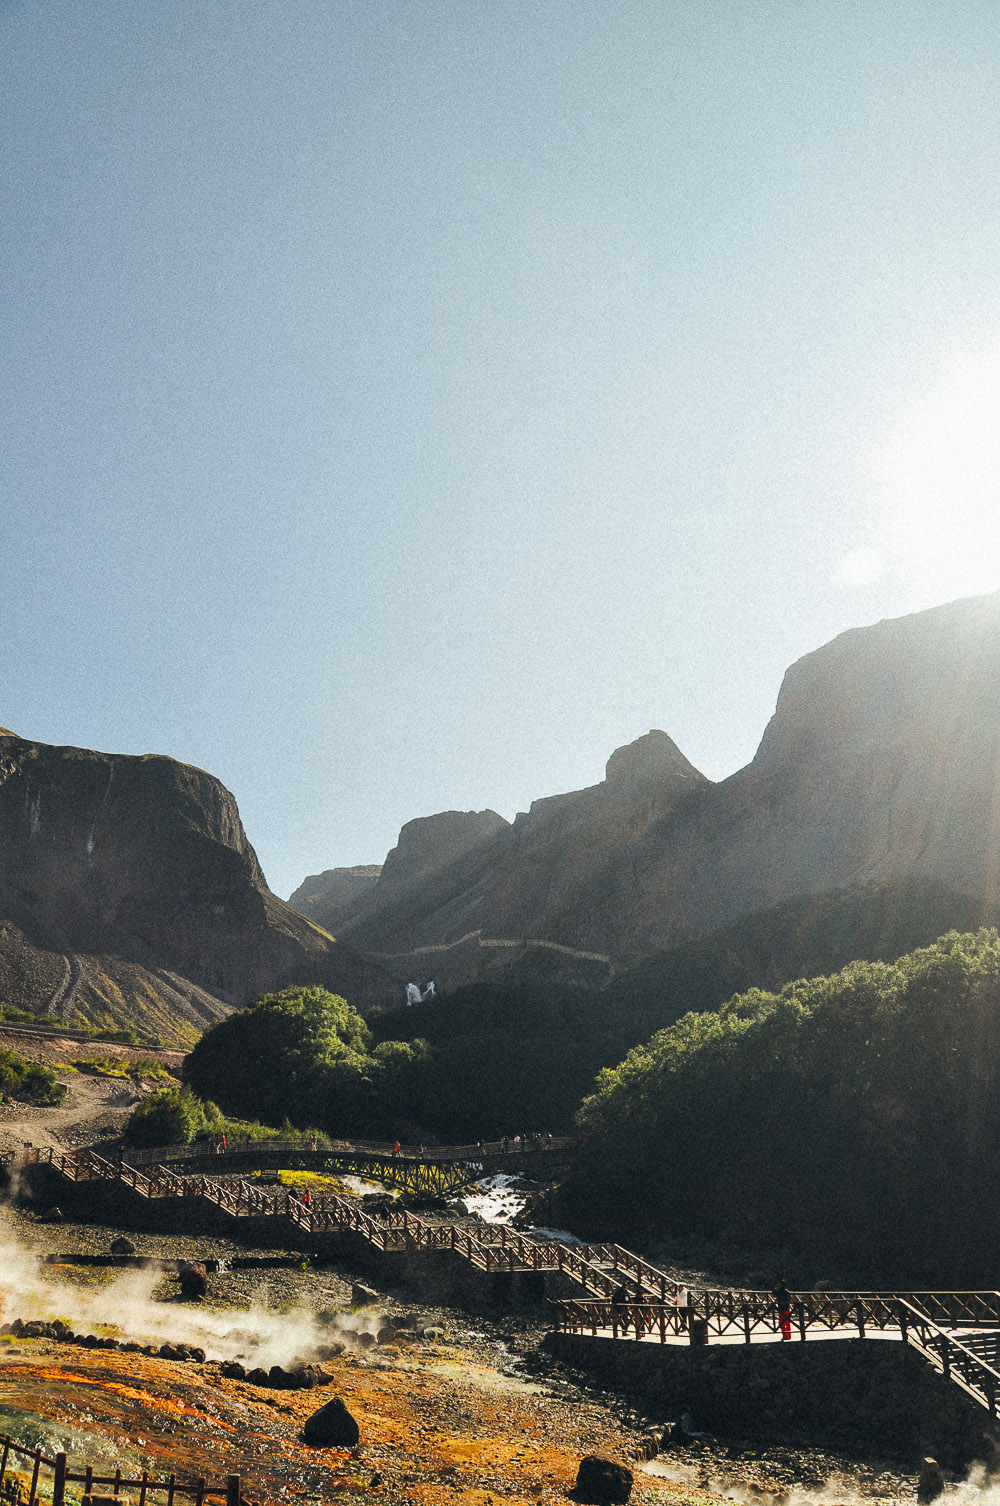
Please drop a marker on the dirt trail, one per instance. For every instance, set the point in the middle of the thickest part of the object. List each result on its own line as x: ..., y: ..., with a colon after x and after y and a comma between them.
x: 95, y: 1107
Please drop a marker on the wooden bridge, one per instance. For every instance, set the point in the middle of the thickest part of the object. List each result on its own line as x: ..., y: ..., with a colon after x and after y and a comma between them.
x: 440, y: 1171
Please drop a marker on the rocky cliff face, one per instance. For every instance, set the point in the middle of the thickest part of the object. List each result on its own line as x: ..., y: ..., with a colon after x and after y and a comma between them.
x: 519, y: 882
x: 881, y: 762
x: 329, y: 898
x: 429, y: 844
x: 146, y: 859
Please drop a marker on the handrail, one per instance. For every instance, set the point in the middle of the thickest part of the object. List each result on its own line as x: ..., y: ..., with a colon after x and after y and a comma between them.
x: 954, y: 1359
x: 62, y: 1475
x: 491, y: 1250
x: 382, y: 1149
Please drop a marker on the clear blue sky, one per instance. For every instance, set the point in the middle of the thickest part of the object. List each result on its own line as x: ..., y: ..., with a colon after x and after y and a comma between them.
x: 405, y: 404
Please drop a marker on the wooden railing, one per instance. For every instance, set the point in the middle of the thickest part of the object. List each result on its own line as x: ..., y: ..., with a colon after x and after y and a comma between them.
x: 62, y: 1475
x: 956, y: 1359
x: 493, y: 1249
x: 971, y: 1361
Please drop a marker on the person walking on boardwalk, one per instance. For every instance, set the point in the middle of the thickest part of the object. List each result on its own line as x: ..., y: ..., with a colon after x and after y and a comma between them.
x: 619, y: 1307
x: 682, y: 1301
x: 783, y: 1303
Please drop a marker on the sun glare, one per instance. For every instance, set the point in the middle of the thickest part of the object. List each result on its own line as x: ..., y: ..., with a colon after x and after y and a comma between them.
x: 861, y: 567
x: 936, y: 492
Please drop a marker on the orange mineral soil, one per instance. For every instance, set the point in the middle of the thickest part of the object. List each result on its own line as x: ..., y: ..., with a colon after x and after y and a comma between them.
x: 434, y: 1429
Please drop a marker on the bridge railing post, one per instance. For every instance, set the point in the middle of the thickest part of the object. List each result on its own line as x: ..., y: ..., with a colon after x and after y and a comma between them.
x: 904, y: 1322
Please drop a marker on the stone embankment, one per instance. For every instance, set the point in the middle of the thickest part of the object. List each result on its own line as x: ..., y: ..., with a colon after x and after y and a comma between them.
x: 858, y: 1394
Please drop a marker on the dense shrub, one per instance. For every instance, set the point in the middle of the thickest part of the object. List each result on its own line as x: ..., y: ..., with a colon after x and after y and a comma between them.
x: 858, y: 1113
x: 21, y: 1078
x: 171, y: 1116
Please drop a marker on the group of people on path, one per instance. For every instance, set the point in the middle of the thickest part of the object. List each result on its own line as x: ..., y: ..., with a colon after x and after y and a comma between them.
x: 621, y: 1298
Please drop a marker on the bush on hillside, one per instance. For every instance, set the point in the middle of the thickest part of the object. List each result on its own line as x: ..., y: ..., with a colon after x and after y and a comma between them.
x: 858, y: 1113
x: 171, y: 1116
x: 24, y: 1079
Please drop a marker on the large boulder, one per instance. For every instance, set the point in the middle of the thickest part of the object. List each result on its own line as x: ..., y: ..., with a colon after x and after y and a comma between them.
x: 601, y: 1482
x: 332, y: 1427
x: 193, y: 1280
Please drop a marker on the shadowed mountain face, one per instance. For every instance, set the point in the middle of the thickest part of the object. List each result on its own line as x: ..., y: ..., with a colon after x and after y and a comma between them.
x: 330, y: 897
x: 145, y: 859
x: 881, y: 762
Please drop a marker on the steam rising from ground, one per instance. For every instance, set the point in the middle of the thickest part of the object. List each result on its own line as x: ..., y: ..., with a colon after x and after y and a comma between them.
x: 979, y: 1488
x: 255, y: 1336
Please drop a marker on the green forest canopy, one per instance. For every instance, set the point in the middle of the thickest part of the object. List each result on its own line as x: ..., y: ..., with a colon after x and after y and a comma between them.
x: 856, y: 1114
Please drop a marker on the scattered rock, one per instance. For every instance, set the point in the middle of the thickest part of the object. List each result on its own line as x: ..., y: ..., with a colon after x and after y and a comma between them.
x: 386, y: 1336
x: 53, y: 1216
x: 332, y: 1427
x: 122, y: 1246
x: 258, y: 1377
x: 601, y: 1482
x: 363, y: 1296
x: 233, y: 1370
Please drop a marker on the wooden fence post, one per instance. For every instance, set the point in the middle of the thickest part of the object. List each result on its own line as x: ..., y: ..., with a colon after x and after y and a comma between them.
x: 34, y: 1477
x: 232, y: 1490
x: 59, y: 1481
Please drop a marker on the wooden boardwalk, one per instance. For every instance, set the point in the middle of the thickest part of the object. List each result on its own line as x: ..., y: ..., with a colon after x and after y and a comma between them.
x: 625, y: 1298
x: 598, y: 1270
x: 958, y: 1333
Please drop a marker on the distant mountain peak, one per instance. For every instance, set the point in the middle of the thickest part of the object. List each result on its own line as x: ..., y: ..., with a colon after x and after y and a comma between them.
x: 648, y: 760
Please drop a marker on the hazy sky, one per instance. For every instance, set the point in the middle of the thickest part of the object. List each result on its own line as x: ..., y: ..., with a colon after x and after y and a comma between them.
x: 405, y: 404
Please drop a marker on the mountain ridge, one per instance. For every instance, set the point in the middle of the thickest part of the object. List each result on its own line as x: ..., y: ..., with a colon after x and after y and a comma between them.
x: 879, y: 763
